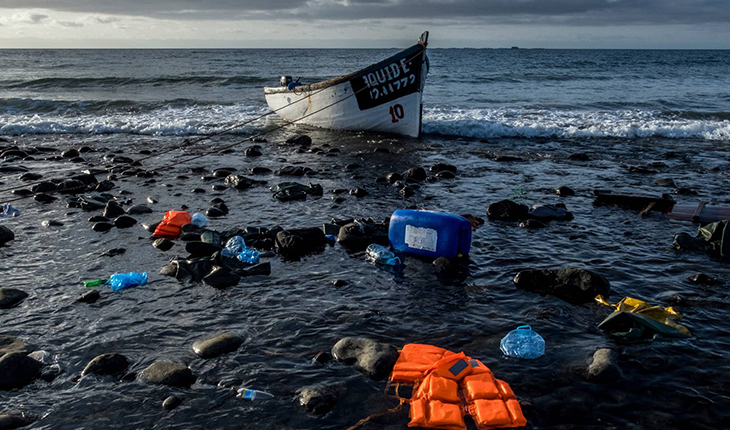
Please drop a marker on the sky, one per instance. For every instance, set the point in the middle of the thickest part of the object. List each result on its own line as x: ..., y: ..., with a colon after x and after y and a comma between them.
x: 589, y: 24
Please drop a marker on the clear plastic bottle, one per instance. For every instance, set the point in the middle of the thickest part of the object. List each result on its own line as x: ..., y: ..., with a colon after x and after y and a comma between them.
x: 249, y: 256
x: 249, y: 394
x: 199, y: 219
x: 121, y: 281
x: 234, y: 246
x: 381, y: 255
x: 523, y: 343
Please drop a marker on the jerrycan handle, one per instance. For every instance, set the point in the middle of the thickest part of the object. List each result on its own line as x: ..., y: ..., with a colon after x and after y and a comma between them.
x: 524, y: 327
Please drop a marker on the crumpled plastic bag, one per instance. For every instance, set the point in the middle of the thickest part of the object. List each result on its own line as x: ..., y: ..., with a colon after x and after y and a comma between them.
x: 550, y: 212
x: 718, y: 236
x: 634, y: 318
x: 8, y: 211
x: 122, y: 281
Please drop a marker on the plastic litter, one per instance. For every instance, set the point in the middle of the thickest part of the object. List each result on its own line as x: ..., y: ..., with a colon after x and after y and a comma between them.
x: 249, y: 256
x: 121, y: 281
x: 550, y: 212
x: 634, y: 318
x: 249, y: 394
x: 234, y: 246
x: 429, y: 234
x: 331, y: 238
x: 523, y: 342
x: 8, y: 211
x: 381, y: 255
x: 95, y: 283
x: 199, y: 219
x: 171, y: 223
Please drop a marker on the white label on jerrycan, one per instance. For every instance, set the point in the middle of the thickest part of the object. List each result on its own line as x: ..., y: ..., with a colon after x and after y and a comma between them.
x: 421, y: 238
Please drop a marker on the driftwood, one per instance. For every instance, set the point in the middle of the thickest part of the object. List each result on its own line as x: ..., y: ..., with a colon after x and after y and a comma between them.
x: 665, y: 205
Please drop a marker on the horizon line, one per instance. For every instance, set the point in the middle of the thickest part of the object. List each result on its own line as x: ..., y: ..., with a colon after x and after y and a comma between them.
x: 512, y: 48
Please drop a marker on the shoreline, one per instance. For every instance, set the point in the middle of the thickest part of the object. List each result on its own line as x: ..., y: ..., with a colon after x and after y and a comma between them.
x: 285, y: 318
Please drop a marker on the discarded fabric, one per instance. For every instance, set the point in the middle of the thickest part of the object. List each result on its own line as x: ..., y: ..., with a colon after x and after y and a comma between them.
x: 633, y: 319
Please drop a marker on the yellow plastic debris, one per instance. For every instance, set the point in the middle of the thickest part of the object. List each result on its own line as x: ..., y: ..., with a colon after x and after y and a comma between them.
x: 667, y: 316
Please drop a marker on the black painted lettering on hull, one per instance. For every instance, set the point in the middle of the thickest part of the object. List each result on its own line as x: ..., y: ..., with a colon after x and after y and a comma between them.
x: 390, y: 79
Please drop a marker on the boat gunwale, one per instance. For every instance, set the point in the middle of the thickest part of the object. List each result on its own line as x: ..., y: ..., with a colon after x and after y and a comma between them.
x: 302, y: 89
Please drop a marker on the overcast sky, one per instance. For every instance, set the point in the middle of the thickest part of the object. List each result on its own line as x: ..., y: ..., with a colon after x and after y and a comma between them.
x: 364, y: 23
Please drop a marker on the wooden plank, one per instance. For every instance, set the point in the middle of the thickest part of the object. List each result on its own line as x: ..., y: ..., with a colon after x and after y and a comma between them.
x: 698, y: 212
x: 644, y: 212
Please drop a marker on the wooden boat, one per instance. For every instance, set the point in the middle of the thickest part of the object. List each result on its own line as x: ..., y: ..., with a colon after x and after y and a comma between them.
x: 665, y: 205
x: 383, y: 97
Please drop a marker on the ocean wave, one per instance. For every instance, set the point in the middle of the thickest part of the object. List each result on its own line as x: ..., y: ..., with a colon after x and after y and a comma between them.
x: 113, y: 81
x: 631, y: 124
x: 182, y: 118
x: 29, y: 106
x: 515, y: 78
x: 170, y: 121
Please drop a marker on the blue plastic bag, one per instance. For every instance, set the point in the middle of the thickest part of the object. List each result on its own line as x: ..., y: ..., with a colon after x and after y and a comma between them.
x: 249, y: 256
x: 8, y: 211
x: 523, y: 343
x: 199, y: 219
x: 234, y: 246
x: 121, y: 281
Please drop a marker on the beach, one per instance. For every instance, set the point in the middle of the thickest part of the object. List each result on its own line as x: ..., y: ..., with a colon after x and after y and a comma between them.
x: 516, y: 124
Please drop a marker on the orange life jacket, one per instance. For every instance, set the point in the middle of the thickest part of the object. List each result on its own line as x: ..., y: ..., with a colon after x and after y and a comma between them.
x: 449, y: 386
x: 170, y: 226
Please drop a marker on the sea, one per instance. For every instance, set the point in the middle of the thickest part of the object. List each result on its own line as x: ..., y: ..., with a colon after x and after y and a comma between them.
x: 472, y: 93
x: 515, y: 123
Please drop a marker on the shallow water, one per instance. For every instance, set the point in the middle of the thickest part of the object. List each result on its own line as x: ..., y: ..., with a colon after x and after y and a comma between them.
x: 621, y: 108
x: 285, y: 318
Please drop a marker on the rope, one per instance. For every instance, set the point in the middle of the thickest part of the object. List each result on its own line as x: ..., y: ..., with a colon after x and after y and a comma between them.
x: 224, y: 148
x: 378, y: 414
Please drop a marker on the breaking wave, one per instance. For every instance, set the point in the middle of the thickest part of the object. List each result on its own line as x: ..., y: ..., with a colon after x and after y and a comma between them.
x: 170, y: 120
x: 630, y: 124
x: 181, y: 117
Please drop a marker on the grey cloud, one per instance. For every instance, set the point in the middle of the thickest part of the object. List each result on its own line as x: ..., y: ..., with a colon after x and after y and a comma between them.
x: 105, y: 19
x: 36, y: 18
x: 564, y: 12
x: 70, y: 24
x: 23, y: 18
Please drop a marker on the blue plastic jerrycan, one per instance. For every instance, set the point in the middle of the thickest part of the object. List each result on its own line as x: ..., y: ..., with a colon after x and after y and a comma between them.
x: 429, y: 234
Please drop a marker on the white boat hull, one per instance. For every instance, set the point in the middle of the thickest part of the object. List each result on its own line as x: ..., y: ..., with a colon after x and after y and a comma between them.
x: 385, y: 97
x: 346, y: 115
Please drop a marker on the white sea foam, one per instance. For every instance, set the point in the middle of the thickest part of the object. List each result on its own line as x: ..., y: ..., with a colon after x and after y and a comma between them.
x: 172, y: 121
x: 494, y: 123
x: 476, y: 123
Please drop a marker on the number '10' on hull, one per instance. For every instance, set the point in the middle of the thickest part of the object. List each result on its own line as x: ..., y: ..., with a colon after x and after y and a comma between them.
x: 383, y: 97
